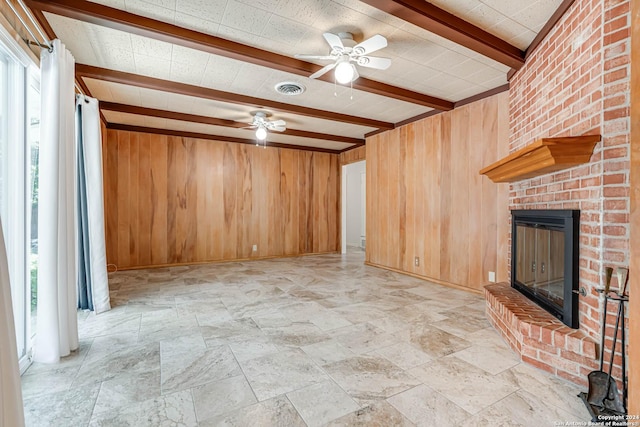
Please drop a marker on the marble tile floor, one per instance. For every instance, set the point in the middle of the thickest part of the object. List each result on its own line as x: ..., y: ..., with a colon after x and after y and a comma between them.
x: 309, y: 341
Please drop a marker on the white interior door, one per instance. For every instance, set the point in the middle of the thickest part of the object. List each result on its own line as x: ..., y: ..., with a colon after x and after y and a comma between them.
x: 353, y: 204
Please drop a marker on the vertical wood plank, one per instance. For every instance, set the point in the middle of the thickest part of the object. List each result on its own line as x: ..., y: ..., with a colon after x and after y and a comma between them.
x: 289, y: 202
x: 203, y: 180
x: 333, y: 211
x: 418, y: 208
x: 191, y: 200
x: 180, y: 195
x: 489, y: 225
x: 145, y: 201
x: 403, y: 257
x: 459, y: 238
x: 230, y: 184
x: 502, y: 192
x: 447, y: 251
x: 215, y: 214
x: 321, y: 172
x: 428, y: 181
x: 305, y: 187
x: 110, y: 176
x: 271, y: 237
x: 476, y: 215
x: 134, y: 201
x: 173, y: 172
x: 159, y: 202
x: 124, y: 259
x: 260, y: 204
x: 248, y: 226
x: 371, y: 200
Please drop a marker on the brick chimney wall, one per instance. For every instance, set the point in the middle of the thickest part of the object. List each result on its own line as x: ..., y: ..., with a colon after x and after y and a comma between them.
x: 576, y: 82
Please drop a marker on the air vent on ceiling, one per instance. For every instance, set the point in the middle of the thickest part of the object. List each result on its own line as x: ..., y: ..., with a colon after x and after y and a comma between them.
x: 289, y: 88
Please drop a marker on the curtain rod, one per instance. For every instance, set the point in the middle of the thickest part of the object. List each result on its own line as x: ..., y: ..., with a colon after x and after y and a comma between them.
x: 47, y: 43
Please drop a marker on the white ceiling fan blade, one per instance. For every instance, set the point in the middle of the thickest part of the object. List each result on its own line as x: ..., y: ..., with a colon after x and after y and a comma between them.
x: 279, y: 128
x: 374, y: 62
x: 278, y: 123
x: 370, y: 45
x: 333, y: 40
x: 322, y: 70
x: 324, y: 57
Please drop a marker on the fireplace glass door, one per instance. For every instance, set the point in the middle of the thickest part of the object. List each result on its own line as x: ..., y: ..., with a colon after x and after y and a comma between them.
x: 540, y: 263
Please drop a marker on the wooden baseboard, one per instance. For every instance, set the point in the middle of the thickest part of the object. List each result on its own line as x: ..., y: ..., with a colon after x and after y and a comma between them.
x: 429, y: 279
x: 218, y: 261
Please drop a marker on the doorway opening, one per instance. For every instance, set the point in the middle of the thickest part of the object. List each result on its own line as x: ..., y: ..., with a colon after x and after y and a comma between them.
x: 354, y: 182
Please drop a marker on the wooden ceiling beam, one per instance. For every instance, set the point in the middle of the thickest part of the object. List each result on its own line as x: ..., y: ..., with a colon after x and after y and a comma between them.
x: 544, y: 32
x: 88, y: 71
x: 438, y: 21
x: 193, y: 118
x: 105, y: 16
x: 196, y: 135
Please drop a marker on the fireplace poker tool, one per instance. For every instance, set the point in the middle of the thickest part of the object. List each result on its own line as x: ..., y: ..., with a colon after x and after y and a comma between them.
x: 603, y: 397
x: 623, y: 278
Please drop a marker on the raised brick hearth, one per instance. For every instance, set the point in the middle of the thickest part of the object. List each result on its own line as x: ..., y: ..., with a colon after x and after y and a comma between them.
x: 540, y: 339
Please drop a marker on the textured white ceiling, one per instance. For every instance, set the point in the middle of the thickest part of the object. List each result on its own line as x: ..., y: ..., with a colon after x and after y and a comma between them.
x: 422, y: 61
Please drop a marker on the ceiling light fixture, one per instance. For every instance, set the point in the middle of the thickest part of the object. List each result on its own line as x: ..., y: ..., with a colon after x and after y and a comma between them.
x: 261, y: 133
x: 344, y: 72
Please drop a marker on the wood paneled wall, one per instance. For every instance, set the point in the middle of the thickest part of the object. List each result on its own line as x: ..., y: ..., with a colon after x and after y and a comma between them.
x: 426, y: 199
x: 173, y: 200
x: 354, y: 155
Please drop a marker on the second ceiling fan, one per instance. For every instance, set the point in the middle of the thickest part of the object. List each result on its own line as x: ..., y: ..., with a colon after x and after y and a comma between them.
x: 345, y: 54
x: 262, y: 124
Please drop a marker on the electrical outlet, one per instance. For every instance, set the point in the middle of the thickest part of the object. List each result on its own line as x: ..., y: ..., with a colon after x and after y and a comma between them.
x: 492, y: 276
x: 255, y: 248
x: 416, y: 261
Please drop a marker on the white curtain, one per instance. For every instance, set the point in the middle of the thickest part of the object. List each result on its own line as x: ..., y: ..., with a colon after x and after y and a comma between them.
x: 11, y: 412
x: 93, y: 285
x: 57, y: 328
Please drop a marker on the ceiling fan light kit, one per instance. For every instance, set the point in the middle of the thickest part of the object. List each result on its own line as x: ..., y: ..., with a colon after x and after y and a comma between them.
x: 344, y: 72
x: 261, y: 133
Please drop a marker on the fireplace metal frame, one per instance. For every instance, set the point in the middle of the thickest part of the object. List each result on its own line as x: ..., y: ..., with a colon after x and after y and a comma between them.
x: 564, y: 220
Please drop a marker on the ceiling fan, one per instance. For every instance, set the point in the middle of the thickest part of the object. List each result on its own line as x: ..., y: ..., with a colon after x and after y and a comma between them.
x: 345, y: 53
x: 262, y: 125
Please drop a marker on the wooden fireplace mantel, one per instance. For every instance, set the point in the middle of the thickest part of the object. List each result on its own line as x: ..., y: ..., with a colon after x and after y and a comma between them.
x: 543, y: 156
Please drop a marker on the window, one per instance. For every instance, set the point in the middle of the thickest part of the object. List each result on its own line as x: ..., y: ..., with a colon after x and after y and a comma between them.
x: 33, y: 141
x: 19, y: 108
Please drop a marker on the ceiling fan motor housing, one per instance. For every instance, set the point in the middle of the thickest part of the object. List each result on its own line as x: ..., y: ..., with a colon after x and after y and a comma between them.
x: 347, y: 39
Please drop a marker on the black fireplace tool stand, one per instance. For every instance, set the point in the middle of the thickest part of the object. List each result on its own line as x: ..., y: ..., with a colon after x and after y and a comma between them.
x: 609, y: 408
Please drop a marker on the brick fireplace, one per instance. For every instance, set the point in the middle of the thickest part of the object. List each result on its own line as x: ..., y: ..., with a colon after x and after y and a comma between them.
x: 576, y: 82
x: 541, y: 340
